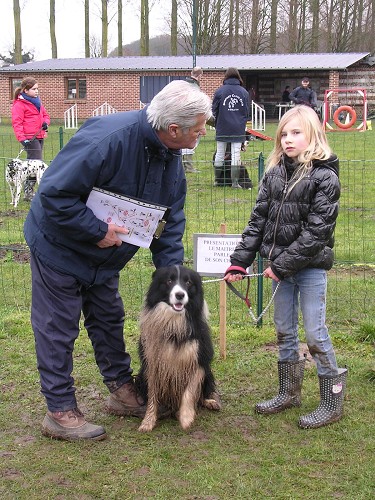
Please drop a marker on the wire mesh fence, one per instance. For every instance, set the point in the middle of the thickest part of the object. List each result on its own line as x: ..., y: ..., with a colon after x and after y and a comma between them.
x: 351, y: 281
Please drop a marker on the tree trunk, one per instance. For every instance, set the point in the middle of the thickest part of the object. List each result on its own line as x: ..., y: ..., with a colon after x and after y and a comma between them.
x: 104, y: 28
x: 230, y: 34
x: 52, y: 28
x: 145, y: 31
x: 87, y: 28
x: 119, y: 28
x: 17, y: 32
x: 273, y: 26
x: 174, y: 28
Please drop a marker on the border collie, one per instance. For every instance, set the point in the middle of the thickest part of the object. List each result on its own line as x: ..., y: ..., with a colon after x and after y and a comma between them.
x: 175, y: 348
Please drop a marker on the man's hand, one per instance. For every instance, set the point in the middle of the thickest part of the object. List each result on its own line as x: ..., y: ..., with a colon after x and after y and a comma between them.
x: 111, y: 239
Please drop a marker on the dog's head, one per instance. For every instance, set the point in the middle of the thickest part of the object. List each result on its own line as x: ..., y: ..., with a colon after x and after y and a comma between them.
x: 179, y: 287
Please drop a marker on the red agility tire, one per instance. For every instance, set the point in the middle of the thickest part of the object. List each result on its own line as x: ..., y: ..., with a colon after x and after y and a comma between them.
x: 353, y: 117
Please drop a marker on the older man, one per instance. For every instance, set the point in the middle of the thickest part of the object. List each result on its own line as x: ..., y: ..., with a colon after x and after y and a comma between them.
x: 76, y: 258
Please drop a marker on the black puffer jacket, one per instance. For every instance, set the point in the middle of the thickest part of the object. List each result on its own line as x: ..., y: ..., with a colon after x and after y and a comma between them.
x: 293, y: 230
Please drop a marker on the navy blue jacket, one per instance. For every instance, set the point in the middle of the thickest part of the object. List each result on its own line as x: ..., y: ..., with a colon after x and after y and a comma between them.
x: 120, y: 153
x: 230, y: 107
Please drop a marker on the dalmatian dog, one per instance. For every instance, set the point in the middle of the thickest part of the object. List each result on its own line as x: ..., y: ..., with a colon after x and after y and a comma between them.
x: 18, y: 171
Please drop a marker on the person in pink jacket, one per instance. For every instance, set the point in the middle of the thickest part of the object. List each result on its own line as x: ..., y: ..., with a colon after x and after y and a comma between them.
x: 30, y: 122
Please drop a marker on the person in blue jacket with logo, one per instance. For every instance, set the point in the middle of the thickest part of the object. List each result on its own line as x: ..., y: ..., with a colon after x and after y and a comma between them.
x: 76, y: 258
x: 230, y: 108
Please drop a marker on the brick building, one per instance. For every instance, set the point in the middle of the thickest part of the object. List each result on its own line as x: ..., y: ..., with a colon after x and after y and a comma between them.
x: 127, y: 82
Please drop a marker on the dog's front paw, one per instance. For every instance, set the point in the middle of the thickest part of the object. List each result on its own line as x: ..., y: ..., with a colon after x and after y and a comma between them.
x: 186, y: 418
x: 148, y: 423
x: 213, y: 402
x: 146, y: 427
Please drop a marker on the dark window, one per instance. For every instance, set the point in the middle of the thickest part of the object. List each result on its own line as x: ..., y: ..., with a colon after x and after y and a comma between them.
x: 75, y: 88
x: 151, y: 85
x: 14, y: 83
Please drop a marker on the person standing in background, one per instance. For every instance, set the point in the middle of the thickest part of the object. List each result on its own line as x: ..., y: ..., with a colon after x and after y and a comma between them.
x: 195, y: 76
x: 304, y: 94
x: 30, y: 122
x: 187, y: 154
x: 286, y: 94
x: 230, y: 107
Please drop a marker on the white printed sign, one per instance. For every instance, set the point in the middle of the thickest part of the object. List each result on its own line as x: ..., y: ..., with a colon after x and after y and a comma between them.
x: 212, y: 252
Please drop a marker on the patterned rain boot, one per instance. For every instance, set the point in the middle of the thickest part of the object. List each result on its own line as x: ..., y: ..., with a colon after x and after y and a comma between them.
x: 330, y: 409
x: 290, y: 384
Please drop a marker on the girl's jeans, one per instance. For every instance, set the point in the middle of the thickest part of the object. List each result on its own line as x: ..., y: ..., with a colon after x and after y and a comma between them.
x: 307, y: 289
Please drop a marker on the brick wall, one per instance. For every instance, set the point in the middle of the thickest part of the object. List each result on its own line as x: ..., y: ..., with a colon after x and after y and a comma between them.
x: 122, y: 89
x: 119, y: 89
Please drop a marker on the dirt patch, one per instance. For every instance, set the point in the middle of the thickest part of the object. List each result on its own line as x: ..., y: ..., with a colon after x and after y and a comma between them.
x: 19, y: 253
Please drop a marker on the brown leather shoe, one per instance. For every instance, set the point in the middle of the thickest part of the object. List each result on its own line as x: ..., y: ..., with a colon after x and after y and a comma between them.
x: 71, y: 425
x: 126, y: 402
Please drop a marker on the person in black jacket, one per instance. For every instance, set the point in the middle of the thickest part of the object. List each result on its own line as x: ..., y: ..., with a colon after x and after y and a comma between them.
x: 285, y: 97
x: 304, y: 94
x: 230, y: 108
x: 292, y: 226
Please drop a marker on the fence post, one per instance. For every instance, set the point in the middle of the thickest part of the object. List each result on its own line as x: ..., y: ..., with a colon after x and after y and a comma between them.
x: 259, y: 258
x: 61, y: 137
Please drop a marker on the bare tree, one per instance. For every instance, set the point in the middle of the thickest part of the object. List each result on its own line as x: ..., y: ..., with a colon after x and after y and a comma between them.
x: 52, y: 28
x: 315, y: 8
x: 104, y: 28
x: 17, y: 32
x: 119, y: 27
x: 145, y: 28
x: 174, y: 28
x: 95, y: 46
x: 87, y: 28
x: 212, y: 37
x: 273, y: 26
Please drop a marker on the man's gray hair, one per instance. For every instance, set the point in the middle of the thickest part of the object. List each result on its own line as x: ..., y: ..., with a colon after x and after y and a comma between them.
x: 179, y: 102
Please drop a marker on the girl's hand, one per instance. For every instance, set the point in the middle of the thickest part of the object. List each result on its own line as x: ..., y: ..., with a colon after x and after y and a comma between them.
x: 268, y: 273
x: 233, y: 277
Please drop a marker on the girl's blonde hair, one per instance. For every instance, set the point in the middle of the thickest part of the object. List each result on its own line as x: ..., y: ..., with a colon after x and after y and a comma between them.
x: 27, y: 83
x: 317, y: 149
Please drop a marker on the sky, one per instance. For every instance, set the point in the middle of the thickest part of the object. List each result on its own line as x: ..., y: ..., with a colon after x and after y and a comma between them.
x: 70, y: 26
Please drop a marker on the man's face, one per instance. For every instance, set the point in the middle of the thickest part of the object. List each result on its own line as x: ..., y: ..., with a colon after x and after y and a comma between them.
x: 176, y: 138
x: 305, y: 83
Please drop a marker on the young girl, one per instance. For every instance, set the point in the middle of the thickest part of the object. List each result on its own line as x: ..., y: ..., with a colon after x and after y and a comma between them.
x: 292, y: 226
x: 30, y: 122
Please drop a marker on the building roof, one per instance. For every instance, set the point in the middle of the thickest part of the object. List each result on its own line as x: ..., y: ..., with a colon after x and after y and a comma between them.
x: 255, y: 62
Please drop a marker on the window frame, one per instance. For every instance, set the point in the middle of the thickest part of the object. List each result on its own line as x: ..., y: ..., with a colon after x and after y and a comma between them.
x: 69, y: 94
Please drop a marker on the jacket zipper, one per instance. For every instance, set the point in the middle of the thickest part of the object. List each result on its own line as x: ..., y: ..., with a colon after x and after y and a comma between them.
x: 278, y: 216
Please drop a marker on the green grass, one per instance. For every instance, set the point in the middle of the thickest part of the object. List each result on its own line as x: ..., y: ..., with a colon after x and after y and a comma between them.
x: 231, y: 454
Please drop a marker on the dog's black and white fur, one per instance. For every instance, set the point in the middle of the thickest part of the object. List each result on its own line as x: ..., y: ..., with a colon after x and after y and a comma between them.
x: 18, y: 171
x: 175, y: 348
